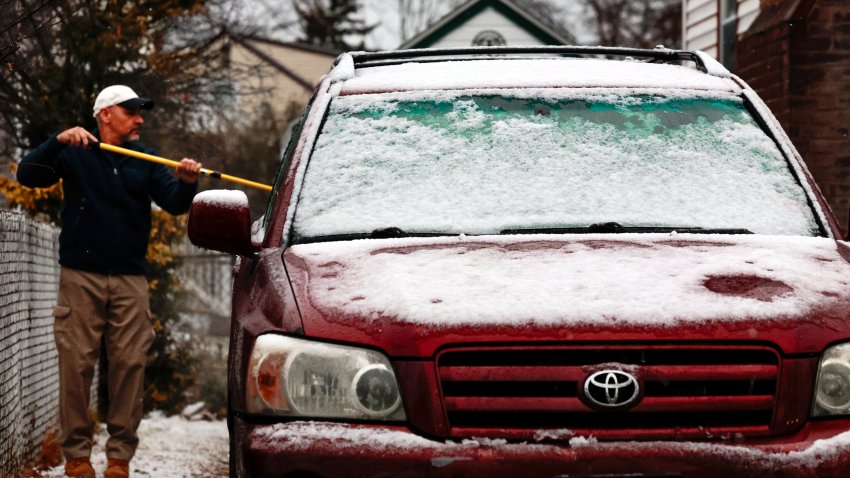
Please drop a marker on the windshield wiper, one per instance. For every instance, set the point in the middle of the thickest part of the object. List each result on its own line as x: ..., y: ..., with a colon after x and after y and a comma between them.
x: 381, y: 233
x: 388, y: 233
x: 616, y: 228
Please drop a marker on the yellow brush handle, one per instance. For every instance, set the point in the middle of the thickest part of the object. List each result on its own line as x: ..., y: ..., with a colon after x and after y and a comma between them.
x: 174, y: 164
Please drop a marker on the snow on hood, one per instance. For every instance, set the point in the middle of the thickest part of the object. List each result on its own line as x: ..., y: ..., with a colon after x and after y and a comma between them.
x: 531, y: 73
x: 642, y: 279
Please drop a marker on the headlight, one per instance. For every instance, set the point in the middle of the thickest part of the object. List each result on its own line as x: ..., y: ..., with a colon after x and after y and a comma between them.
x: 296, y: 377
x: 832, y: 392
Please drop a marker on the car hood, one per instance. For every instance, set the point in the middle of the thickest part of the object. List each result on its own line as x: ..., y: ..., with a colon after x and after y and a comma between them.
x: 412, y: 296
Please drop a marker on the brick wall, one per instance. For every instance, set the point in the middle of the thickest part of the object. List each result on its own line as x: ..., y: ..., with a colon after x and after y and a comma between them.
x: 820, y: 98
x: 763, y: 62
x: 799, y: 63
x: 29, y: 385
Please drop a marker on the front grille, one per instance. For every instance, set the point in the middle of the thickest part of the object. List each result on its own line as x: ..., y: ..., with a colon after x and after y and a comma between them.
x: 688, y: 392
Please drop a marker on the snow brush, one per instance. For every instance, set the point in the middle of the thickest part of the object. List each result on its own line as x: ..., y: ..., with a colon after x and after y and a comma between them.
x: 174, y: 164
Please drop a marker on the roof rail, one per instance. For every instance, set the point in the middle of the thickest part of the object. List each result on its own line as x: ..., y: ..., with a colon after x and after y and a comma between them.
x: 658, y: 54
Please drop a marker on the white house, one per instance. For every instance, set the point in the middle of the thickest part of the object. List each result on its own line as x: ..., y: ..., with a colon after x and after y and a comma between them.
x: 486, y: 23
x: 265, y: 71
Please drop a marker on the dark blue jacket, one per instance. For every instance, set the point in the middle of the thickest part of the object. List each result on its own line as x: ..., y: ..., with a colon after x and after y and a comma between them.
x: 106, y: 213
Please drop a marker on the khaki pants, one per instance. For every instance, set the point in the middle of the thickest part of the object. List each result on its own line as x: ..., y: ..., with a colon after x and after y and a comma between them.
x: 92, y: 307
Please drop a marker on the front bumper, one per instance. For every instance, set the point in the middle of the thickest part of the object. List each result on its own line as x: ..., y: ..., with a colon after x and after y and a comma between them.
x: 321, y: 449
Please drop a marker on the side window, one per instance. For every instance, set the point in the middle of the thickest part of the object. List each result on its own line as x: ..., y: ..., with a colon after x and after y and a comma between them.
x: 286, y: 159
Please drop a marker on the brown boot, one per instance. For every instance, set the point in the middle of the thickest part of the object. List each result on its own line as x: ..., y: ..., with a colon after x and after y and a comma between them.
x: 117, y: 468
x: 79, y: 468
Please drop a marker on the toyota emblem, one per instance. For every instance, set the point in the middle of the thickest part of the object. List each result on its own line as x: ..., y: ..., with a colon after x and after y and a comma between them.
x: 611, y: 389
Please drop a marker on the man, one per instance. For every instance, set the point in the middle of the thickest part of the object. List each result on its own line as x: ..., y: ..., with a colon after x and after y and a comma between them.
x: 103, y: 292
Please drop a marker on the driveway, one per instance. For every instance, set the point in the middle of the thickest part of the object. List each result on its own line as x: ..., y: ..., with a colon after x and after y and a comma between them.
x: 170, y: 447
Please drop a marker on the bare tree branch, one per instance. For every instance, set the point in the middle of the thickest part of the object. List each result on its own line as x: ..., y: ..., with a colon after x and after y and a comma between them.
x: 635, y: 23
x: 19, y: 20
x: 417, y: 15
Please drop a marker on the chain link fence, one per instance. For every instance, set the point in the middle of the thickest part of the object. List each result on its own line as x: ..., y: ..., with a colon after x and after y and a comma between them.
x: 207, y: 278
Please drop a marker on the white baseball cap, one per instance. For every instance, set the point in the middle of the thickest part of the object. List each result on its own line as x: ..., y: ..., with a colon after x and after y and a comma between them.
x: 120, y: 95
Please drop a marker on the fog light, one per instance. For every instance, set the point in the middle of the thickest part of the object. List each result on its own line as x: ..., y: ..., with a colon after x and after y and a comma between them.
x: 375, y: 391
x: 832, y: 392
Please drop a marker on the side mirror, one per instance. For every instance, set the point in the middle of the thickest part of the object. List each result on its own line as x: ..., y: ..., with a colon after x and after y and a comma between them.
x: 221, y: 220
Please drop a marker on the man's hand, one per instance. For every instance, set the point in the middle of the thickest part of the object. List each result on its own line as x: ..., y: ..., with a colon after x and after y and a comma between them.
x: 189, y: 170
x: 76, y: 136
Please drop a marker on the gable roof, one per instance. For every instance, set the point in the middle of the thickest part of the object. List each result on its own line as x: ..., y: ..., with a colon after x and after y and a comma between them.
x: 465, y: 12
x: 308, y: 47
x: 248, y: 44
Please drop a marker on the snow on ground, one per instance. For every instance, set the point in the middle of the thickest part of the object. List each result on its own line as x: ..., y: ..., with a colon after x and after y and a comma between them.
x: 170, y: 447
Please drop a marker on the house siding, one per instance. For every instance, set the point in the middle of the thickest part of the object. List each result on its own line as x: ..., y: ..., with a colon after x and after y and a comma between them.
x: 488, y: 19
x: 700, y: 25
x: 263, y: 72
x: 748, y: 10
x: 701, y: 20
x: 267, y: 85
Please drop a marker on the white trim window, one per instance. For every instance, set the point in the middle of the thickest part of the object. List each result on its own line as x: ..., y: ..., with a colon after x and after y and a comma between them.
x: 728, y: 37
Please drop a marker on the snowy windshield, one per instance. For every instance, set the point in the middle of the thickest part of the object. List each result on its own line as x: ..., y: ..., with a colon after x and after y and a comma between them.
x: 484, y: 163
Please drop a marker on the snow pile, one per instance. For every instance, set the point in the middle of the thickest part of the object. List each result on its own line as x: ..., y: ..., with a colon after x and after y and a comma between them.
x: 478, y: 165
x: 258, y: 230
x: 197, y: 411
x: 652, y: 279
x: 299, y: 436
x: 169, y: 447
x: 556, y: 434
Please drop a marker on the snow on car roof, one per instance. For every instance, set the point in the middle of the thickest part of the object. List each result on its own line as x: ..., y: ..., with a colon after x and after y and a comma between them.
x: 645, y: 279
x: 531, y: 73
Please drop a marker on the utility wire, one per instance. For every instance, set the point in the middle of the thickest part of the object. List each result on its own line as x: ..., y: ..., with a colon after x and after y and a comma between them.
x: 25, y: 16
x: 13, y: 46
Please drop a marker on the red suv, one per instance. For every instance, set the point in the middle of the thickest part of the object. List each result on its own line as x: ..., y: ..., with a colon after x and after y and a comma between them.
x: 554, y: 261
